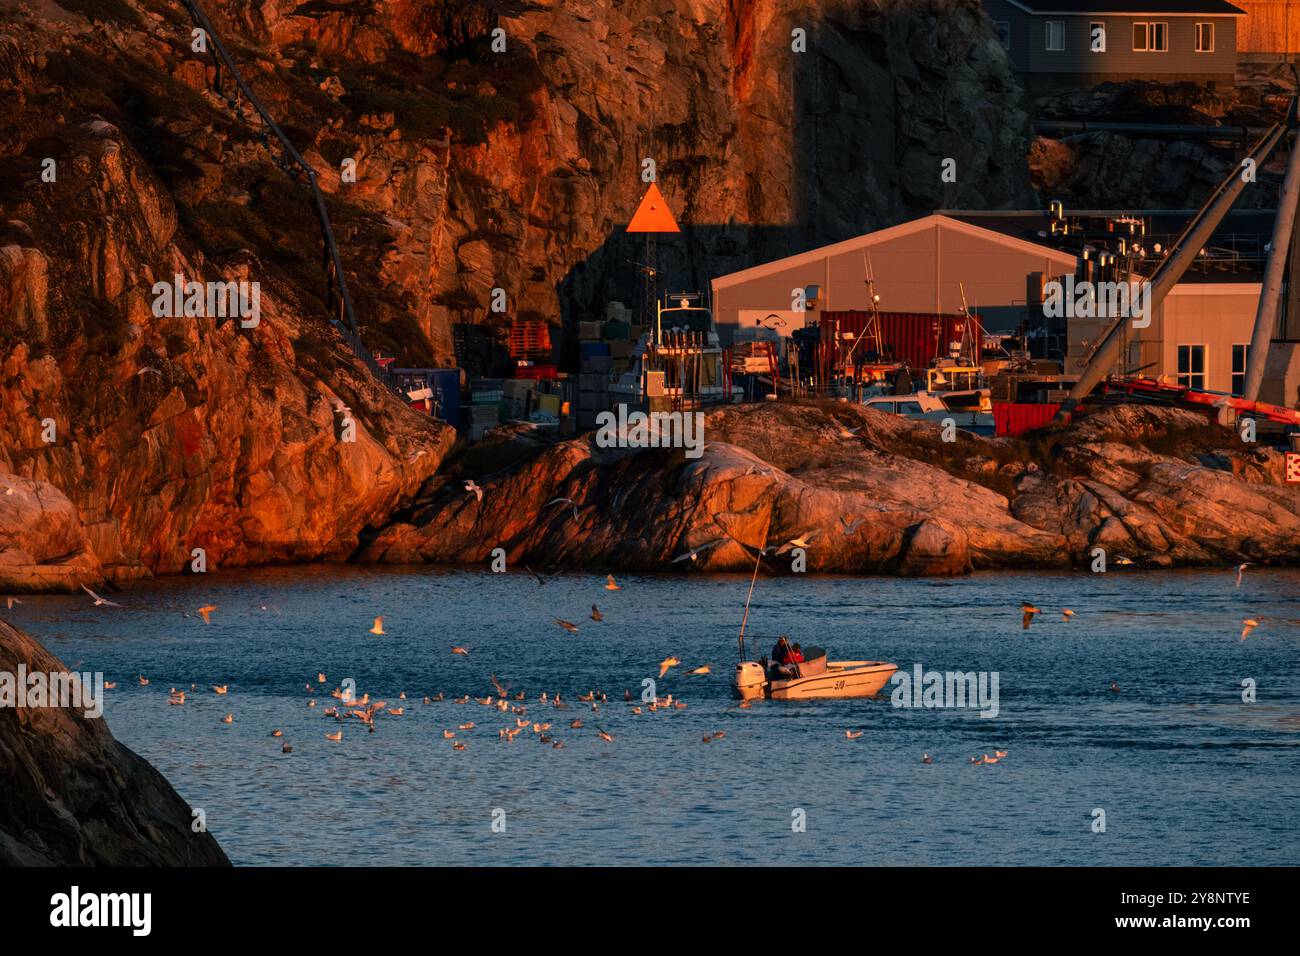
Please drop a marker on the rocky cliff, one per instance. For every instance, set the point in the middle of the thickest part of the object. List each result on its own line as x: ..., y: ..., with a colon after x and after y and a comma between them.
x: 74, y: 796
x: 129, y: 438
x: 872, y: 492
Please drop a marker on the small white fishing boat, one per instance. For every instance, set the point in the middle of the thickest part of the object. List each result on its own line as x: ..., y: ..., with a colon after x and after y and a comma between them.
x: 813, y: 679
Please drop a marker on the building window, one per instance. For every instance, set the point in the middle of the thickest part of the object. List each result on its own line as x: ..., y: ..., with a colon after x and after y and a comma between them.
x: 1239, y: 369
x: 1191, y: 366
x: 1003, y: 29
x: 1097, y: 37
x: 1205, y: 38
x: 1054, y: 34
x: 1151, y: 37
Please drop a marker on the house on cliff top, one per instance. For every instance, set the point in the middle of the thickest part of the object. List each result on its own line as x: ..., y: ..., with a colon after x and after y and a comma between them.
x: 1064, y: 44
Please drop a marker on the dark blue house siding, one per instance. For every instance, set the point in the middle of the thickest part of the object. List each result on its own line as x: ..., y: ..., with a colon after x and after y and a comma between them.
x: 1029, y: 54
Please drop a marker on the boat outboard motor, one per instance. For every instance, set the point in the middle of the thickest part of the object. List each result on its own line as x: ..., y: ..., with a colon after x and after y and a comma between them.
x: 750, y: 680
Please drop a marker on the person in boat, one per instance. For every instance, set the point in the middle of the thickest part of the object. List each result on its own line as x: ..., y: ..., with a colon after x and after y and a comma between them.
x: 782, y: 654
x: 796, y: 655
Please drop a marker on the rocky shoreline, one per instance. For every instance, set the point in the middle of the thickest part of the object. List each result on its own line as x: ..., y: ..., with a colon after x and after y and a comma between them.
x: 74, y: 796
x: 1156, y: 486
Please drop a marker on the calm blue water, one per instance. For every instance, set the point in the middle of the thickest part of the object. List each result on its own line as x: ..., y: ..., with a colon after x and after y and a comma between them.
x: 1186, y: 772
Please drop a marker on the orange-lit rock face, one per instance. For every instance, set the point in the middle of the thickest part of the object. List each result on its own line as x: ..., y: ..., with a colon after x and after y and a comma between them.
x: 131, y: 438
x: 913, y: 504
x: 474, y: 170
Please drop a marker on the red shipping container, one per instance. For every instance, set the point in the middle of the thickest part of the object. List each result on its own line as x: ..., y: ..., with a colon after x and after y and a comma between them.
x: 1016, y: 418
x: 913, y: 335
x: 537, y: 372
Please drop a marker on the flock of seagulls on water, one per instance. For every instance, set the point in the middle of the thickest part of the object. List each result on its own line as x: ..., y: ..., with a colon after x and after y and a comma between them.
x: 514, y: 703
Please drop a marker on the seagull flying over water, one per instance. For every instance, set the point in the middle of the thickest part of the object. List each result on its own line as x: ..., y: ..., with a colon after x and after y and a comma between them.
x: 851, y: 527
x: 11, y: 601
x: 473, y: 489
x: 378, y: 626
x: 564, y: 501
x: 99, y: 600
x: 595, y: 614
x: 1247, y: 626
x: 205, y: 612
x: 666, y: 663
x: 802, y: 541
x: 693, y: 554
x: 1029, y: 612
x: 611, y: 584
x: 1066, y: 614
x: 1240, y: 568
x: 568, y: 625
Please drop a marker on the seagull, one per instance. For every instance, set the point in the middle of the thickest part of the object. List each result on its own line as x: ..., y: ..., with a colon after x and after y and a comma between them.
x: 666, y: 663
x: 99, y: 600
x: 575, y: 724
x: 999, y: 754
x: 1066, y: 614
x: 1247, y: 626
x: 1240, y: 568
x: 702, y: 669
x: 473, y: 489
x: 456, y: 649
x: 378, y: 626
x: 277, y: 733
x: 144, y: 681
x: 11, y: 601
x: 567, y: 625
x: 564, y: 501
x: 496, y: 685
x: 458, y: 746
x: 147, y: 369
x: 286, y: 749
x: 1123, y: 561
x: 853, y: 734
x: 540, y: 580
x: 1114, y: 687
x: 849, y: 432
x: 977, y: 760
x: 693, y: 554
x: 336, y: 736
x: 595, y: 614
x: 611, y: 584
x: 851, y: 527
x: 228, y: 719
x: 926, y: 758
x: 607, y: 737
x: 320, y: 678
x: 222, y: 688
x: 1029, y: 612
x: 802, y: 541
x: 988, y: 759
x: 205, y: 612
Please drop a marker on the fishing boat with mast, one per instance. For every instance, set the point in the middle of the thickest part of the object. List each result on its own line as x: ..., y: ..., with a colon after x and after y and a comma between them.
x: 814, y: 678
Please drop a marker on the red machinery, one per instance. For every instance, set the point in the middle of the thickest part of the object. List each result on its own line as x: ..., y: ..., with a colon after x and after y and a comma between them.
x: 1165, y: 393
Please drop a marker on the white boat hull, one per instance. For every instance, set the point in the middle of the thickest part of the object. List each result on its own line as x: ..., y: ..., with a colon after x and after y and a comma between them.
x: 839, y: 680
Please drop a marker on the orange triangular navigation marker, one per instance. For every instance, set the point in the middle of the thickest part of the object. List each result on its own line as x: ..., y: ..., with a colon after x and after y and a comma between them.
x: 653, y: 215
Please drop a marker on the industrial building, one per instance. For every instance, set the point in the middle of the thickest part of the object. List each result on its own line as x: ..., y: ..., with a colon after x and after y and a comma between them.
x: 996, y: 266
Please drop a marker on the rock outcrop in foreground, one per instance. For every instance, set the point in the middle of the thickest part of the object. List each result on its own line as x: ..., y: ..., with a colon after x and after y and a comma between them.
x: 74, y: 796
x: 1158, y: 486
